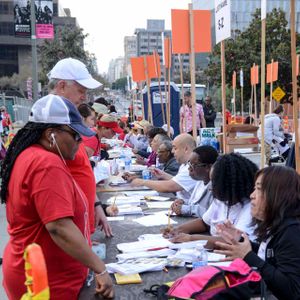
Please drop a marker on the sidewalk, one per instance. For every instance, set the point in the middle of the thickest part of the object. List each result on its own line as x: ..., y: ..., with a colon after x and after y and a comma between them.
x: 3, y: 241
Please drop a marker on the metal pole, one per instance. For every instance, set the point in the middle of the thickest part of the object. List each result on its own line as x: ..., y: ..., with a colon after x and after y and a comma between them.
x: 34, y: 52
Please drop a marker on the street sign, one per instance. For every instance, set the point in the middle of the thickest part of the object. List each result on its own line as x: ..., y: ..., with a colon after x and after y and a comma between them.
x: 278, y: 94
x: 222, y: 20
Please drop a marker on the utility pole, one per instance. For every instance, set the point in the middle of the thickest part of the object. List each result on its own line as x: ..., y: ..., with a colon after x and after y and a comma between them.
x: 34, y: 52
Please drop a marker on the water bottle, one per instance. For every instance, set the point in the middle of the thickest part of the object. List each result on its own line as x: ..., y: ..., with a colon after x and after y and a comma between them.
x: 157, y: 163
x: 146, y: 174
x: 127, y: 163
x: 201, y: 258
x: 114, y: 167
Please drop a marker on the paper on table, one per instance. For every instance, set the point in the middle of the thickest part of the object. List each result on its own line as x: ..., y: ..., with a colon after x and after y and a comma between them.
x: 157, y: 198
x: 220, y: 263
x: 158, y: 253
x: 129, y: 210
x: 143, y: 245
x: 141, y: 193
x: 154, y: 220
x: 159, y: 204
x: 188, y: 245
x: 118, y: 218
x: 121, y: 200
x: 137, y: 265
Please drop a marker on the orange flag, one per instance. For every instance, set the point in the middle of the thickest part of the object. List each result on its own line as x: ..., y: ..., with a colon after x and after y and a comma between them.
x: 157, y: 64
x: 234, y: 80
x: 138, y: 69
x: 167, y: 53
x: 254, y: 75
x: 274, y: 76
x: 181, y: 31
x: 152, y: 66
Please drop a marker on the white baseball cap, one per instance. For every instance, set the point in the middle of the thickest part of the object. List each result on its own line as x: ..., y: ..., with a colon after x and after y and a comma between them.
x: 53, y: 109
x: 73, y: 69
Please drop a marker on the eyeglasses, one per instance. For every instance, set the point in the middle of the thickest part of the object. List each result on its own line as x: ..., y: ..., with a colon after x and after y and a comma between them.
x: 76, y: 136
x: 162, y: 151
x: 193, y: 166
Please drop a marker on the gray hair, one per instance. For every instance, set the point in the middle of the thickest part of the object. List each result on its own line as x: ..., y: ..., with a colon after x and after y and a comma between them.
x: 53, y: 83
x: 162, y: 137
x: 167, y: 144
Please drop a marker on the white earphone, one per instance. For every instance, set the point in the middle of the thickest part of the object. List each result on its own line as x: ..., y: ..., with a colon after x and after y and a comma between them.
x: 53, y: 137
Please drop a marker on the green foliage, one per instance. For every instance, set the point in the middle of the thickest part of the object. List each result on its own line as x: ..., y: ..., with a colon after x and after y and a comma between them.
x: 245, y: 49
x: 120, y: 84
x: 66, y: 43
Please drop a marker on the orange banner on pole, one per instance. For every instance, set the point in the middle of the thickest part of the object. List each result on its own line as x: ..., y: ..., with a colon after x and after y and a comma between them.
x: 157, y: 64
x: 254, y: 75
x: 234, y: 80
x: 274, y: 76
x: 181, y: 43
x: 297, y: 65
x: 168, y: 58
x: 138, y: 69
x: 152, y: 66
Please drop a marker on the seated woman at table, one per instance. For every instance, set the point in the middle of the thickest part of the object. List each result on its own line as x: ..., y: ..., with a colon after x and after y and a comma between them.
x: 275, y: 207
x: 45, y: 205
x: 232, y: 178
x: 200, y: 164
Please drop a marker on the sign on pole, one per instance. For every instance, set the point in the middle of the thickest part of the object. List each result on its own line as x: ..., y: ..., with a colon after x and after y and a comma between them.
x: 241, y: 78
x: 222, y: 20
x: 263, y: 9
x: 43, y: 12
x: 278, y: 94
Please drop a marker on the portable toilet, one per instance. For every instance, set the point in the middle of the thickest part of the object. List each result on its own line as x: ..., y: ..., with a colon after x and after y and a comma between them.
x: 156, y: 104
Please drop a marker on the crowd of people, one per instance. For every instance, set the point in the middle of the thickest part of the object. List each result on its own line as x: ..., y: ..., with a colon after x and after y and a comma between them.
x: 49, y: 190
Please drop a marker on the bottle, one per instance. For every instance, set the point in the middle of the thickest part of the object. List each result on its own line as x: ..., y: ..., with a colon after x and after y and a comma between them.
x: 146, y: 174
x: 114, y: 167
x: 127, y: 163
x: 157, y: 163
x: 201, y: 257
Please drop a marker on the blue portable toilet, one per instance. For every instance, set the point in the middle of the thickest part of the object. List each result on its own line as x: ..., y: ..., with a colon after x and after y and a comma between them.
x: 156, y: 104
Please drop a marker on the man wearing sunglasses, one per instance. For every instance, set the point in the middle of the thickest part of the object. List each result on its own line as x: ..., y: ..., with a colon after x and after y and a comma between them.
x: 200, y: 163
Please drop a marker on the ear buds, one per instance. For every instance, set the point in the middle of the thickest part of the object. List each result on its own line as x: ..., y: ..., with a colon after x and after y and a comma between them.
x: 53, y: 137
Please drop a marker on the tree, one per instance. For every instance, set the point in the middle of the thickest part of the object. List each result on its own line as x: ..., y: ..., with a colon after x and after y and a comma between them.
x: 120, y: 84
x: 245, y: 49
x: 66, y: 43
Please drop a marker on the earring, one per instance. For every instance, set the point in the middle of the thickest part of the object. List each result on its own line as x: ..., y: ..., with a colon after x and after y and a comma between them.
x: 51, y: 144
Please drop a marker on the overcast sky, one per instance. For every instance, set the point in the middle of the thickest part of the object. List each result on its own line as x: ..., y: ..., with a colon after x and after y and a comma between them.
x: 108, y: 21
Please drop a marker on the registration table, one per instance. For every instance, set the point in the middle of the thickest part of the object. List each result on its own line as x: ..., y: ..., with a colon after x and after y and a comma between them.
x: 129, y: 231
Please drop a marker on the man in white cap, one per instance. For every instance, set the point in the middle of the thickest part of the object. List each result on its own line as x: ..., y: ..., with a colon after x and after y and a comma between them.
x: 71, y: 79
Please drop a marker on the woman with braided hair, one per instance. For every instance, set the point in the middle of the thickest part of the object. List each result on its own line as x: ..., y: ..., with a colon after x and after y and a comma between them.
x: 45, y: 205
x: 232, y: 178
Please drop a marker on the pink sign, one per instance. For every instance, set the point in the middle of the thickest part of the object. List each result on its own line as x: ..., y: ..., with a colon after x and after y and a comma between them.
x: 44, y: 31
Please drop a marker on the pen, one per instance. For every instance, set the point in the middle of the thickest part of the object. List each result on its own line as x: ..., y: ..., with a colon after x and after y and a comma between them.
x: 158, y: 248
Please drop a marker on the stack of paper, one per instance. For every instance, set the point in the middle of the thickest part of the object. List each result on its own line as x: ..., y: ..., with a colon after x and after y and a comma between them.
x: 143, y: 245
x: 129, y: 210
x: 137, y: 265
x: 158, y: 204
x: 122, y: 200
x: 155, y: 253
x: 141, y: 193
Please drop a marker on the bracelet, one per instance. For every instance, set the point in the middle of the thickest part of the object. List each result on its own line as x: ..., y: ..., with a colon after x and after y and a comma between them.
x: 102, y: 273
x: 97, y: 203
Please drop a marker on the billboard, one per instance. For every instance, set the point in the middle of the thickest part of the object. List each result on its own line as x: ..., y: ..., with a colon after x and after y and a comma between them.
x: 43, y: 16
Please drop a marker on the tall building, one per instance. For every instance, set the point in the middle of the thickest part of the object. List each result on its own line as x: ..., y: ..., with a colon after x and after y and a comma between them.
x: 15, y: 52
x: 130, y: 50
x: 116, y: 69
x: 242, y: 11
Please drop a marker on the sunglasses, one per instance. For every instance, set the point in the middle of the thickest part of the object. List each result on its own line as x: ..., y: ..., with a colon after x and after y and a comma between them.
x: 76, y: 136
x: 193, y: 166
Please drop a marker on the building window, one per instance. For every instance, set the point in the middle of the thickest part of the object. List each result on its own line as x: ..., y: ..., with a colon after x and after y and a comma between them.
x: 6, y: 8
x: 8, y: 70
x: 6, y: 28
x: 9, y: 53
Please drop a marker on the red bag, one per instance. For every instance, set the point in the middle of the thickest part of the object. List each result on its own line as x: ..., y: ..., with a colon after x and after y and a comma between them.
x: 205, y: 282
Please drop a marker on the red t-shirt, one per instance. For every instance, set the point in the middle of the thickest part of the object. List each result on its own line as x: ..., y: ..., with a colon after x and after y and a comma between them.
x: 93, y: 143
x: 82, y: 172
x: 6, y: 121
x: 41, y: 190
